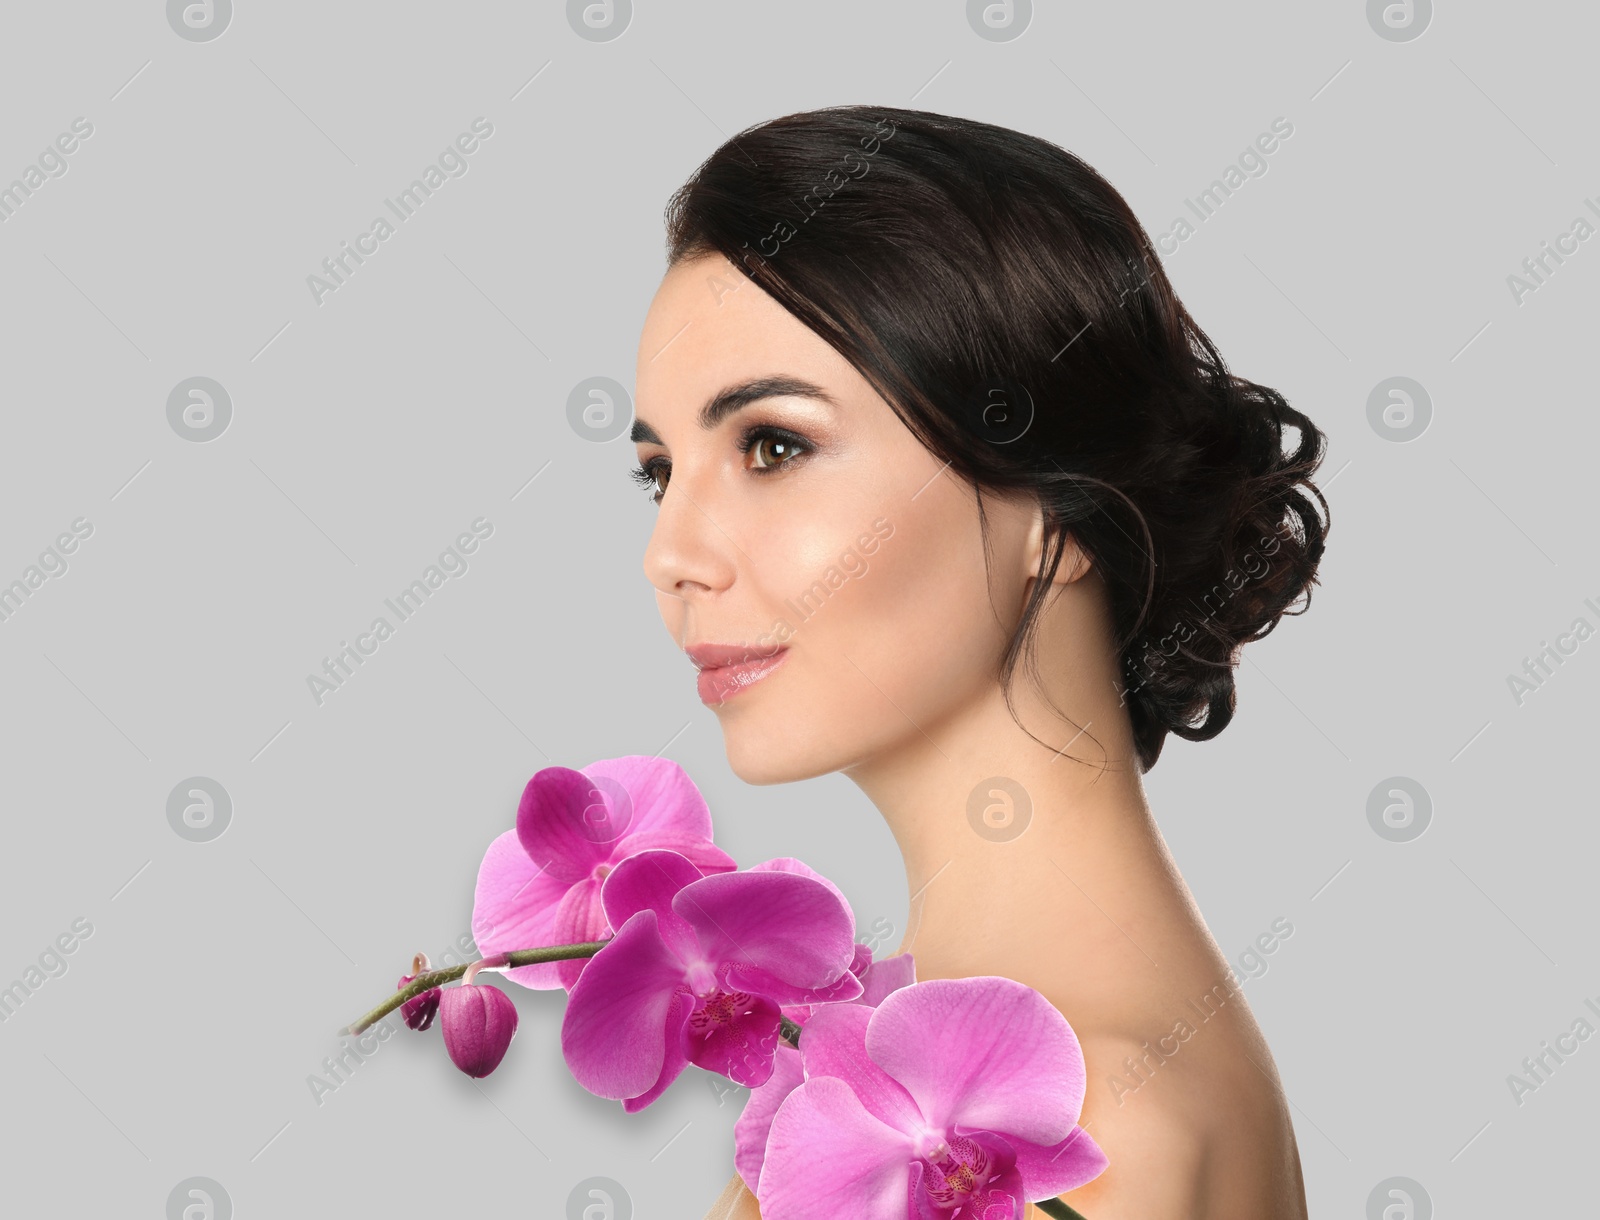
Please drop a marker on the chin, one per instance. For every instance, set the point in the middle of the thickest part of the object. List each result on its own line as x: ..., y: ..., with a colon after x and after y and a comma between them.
x: 779, y: 754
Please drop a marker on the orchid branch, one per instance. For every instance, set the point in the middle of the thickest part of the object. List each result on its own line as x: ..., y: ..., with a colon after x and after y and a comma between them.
x: 434, y: 978
x: 789, y: 1032
x: 1055, y: 1207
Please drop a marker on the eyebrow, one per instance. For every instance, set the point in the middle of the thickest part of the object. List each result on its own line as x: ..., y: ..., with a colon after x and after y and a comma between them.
x: 736, y: 397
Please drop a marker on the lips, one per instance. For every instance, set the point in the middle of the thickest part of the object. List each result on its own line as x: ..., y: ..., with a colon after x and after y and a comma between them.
x: 727, y: 669
x: 716, y: 656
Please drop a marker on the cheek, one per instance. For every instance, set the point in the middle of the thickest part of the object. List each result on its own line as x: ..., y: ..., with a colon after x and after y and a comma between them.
x: 910, y: 634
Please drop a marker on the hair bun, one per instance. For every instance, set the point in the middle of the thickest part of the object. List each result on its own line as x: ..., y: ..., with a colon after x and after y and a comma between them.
x: 1243, y: 551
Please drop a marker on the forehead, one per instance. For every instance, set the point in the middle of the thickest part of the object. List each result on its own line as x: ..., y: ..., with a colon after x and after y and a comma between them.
x: 710, y: 326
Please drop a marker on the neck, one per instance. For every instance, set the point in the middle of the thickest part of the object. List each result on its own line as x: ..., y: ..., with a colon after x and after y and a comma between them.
x: 1021, y: 861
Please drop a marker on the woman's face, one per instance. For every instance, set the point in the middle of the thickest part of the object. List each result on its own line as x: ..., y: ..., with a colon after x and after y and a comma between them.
x: 802, y: 524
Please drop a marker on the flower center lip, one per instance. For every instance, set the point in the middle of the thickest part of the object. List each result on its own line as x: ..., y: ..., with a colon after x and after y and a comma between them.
x: 959, y: 1170
x: 718, y: 1008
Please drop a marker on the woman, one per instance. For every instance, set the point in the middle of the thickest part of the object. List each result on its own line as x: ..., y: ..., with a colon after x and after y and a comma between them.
x: 955, y: 498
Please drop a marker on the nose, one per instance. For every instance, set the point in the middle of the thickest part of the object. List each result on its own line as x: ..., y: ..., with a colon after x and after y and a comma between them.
x: 689, y: 554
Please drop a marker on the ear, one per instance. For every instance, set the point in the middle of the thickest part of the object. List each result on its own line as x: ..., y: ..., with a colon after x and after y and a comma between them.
x: 1075, y: 562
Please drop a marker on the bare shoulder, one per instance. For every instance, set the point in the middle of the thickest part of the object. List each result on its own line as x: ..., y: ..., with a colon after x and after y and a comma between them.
x: 735, y: 1203
x: 1158, y: 1163
x: 1203, y: 1134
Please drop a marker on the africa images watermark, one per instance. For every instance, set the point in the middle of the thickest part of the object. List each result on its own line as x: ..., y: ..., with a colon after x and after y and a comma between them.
x: 854, y: 166
x: 1538, y: 669
x: 52, y: 163
x: 1537, y: 268
x: 1537, y: 1069
x: 1139, y: 1072
x: 52, y: 562
x: 851, y: 565
x: 1252, y: 163
x: 1251, y: 566
x: 452, y: 161
x: 338, y: 669
x: 52, y: 965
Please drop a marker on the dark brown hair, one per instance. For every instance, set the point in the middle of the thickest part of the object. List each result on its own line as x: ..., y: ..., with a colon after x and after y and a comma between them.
x: 1004, y: 300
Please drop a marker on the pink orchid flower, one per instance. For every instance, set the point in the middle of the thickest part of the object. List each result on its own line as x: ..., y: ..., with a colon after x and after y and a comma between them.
x: 878, y: 979
x: 953, y: 1099
x: 698, y: 971
x: 540, y: 883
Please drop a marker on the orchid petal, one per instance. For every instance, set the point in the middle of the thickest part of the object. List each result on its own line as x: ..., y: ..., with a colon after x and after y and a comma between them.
x: 881, y: 978
x: 736, y: 976
x: 828, y: 1156
x: 835, y: 1044
x: 579, y: 919
x: 988, y: 1052
x: 514, y: 907
x: 750, y: 1132
x: 1049, y: 1170
x: 702, y: 853
x: 789, y: 925
x: 647, y: 881
x: 788, y: 864
x: 565, y: 823
x: 650, y: 794
x: 878, y: 979
x: 677, y: 1053
x: 612, y: 1034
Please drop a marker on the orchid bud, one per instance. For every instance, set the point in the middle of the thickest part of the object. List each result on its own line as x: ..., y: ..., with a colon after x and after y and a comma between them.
x: 419, y: 1009
x: 478, y: 1021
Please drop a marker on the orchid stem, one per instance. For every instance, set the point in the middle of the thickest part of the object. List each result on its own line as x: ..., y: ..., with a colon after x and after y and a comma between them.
x: 435, y: 978
x: 1055, y: 1207
x: 789, y: 1032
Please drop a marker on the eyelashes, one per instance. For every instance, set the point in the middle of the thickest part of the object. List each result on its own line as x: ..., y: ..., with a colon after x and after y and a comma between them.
x: 645, y: 475
x: 786, y: 448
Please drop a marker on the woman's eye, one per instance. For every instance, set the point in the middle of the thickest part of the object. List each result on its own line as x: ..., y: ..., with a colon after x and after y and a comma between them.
x: 768, y: 448
x: 771, y: 449
x: 653, y: 477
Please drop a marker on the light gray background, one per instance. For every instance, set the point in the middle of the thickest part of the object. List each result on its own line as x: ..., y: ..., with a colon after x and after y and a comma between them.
x: 431, y: 387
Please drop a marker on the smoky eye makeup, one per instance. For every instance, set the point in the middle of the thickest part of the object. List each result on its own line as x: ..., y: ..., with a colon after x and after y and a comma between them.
x: 774, y: 447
